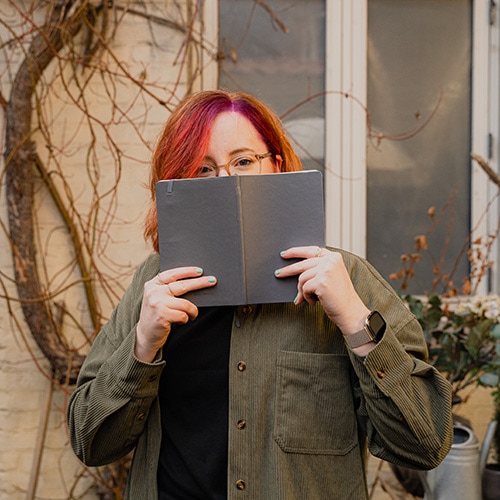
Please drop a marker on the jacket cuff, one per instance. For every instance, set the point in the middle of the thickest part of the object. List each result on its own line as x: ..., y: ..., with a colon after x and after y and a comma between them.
x: 132, y: 376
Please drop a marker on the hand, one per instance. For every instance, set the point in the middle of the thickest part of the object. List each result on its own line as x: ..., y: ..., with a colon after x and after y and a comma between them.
x: 324, y: 277
x: 163, y: 306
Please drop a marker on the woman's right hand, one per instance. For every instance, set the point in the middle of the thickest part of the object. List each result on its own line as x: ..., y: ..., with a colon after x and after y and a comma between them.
x: 163, y: 305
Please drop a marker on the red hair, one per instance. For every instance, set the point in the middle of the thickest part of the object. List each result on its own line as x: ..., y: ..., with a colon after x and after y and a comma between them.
x: 183, y: 143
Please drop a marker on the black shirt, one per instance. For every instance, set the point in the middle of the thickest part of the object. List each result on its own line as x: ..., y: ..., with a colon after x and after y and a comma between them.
x: 194, y: 408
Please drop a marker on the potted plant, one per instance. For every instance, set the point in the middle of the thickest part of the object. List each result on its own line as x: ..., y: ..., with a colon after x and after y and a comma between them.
x: 464, y: 344
x: 462, y: 338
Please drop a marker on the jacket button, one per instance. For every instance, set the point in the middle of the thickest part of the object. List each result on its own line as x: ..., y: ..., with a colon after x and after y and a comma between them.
x: 242, y: 366
x: 241, y: 424
x: 152, y: 378
x: 240, y: 484
x: 246, y: 309
x: 141, y: 416
x: 380, y: 373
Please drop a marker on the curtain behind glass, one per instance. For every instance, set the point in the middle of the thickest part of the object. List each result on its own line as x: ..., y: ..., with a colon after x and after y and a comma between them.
x: 419, y: 57
x: 282, y: 68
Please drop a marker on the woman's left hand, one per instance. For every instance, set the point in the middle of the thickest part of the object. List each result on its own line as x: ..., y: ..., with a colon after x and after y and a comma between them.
x: 324, y: 277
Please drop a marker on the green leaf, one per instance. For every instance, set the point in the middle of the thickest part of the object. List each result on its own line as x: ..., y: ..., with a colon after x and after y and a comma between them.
x: 495, y: 331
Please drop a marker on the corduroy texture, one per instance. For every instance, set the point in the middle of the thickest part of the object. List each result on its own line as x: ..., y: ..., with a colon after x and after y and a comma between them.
x: 310, y: 404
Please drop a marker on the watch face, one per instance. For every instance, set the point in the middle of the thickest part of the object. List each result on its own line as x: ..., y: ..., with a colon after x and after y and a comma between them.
x: 377, y: 325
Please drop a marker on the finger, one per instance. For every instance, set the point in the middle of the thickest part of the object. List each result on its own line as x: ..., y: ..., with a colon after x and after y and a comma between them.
x: 181, y: 287
x: 178, y: 273
x: 184, y: 310
x: 293, y: 269
x: 307, y: 287
x: 303, y: 296
x: 309, y: 293
x: 165, y: 308
x: 303, y: 252
x: 181, y: 311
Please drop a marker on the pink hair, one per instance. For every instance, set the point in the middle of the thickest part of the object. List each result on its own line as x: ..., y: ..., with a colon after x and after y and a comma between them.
x: 183, y: 143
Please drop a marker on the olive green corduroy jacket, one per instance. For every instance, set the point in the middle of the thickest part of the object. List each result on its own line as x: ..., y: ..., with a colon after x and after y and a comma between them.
x: 311, y: 405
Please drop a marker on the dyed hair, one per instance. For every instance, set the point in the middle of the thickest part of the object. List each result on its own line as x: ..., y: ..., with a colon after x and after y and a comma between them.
x: 183, y: 143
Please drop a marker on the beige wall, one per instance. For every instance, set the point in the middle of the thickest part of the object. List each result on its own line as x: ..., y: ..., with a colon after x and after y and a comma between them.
x: 478, y: 408
x: 25, y: 396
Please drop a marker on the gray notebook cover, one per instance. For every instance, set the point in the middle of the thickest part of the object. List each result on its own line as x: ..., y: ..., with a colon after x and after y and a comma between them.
x: 235, y: 228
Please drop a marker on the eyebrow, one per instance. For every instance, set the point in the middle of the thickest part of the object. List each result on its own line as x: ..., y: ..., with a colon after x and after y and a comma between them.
x: 233, y: 153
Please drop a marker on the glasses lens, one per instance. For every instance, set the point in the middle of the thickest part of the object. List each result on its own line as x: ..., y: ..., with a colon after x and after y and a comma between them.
x: 244, y: 164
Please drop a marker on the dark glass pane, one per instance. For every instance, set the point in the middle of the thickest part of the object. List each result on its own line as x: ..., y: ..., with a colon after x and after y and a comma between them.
x: 419, y: 60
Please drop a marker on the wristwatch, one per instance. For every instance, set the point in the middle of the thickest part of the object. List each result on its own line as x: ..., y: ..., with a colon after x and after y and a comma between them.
x: 373, y: 331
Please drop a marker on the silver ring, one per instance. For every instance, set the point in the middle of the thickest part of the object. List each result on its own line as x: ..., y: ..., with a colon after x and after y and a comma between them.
x: 318, y: 252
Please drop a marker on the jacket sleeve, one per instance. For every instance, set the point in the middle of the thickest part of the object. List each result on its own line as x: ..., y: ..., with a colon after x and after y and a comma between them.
x: 404, y: 404
x: 109, y: 407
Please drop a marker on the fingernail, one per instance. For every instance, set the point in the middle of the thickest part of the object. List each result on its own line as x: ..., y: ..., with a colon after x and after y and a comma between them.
x: 283, y: 252
x: 211, y: 279
x: 295, y: 299
x: 199, y: 270
x: 277, y: 272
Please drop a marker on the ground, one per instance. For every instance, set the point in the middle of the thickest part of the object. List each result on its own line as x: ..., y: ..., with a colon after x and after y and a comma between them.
x: 382, y: 484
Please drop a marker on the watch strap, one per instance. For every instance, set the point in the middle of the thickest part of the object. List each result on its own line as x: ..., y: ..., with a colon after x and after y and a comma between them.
x: 372, y: 331
x: 358, y: 339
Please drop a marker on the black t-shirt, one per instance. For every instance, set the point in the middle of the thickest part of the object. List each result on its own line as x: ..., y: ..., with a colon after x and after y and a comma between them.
x: 194, y: 408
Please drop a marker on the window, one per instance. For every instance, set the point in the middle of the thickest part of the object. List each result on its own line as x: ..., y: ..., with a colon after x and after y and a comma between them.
x: 402, y: 61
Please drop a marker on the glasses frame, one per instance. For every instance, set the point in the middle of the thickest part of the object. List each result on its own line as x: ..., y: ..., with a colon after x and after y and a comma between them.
x: 226, y: 167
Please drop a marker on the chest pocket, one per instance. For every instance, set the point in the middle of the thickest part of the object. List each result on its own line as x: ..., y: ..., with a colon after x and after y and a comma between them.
x: 314, y: 406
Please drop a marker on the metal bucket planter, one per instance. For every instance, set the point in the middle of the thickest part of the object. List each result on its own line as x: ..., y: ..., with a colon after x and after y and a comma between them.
x: 458, y: 476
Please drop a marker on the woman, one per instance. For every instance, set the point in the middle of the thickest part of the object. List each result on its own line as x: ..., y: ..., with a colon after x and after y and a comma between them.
x: 261, y: 401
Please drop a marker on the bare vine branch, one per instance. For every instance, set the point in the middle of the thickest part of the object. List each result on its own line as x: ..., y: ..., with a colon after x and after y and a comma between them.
x: 20, y: 160
x: 54, y: 68
x: 493, y: 176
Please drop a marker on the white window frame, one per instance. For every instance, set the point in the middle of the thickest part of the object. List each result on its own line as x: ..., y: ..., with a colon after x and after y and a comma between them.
x: 345, y: 134
x: 485, y: 130
x: 346, y: 119
x: 346, y: 131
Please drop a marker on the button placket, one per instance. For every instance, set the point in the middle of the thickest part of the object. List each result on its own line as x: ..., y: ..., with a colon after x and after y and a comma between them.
x: 239, y: 434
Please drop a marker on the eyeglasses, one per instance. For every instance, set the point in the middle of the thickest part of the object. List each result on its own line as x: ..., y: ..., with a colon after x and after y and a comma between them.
x: 239, y: 165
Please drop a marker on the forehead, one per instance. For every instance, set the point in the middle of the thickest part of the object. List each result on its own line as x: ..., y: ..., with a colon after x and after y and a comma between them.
x: 232, y: 132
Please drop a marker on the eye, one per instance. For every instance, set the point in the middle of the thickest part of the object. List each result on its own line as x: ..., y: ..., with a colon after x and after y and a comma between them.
x: 206, y: 170
x: 242, y: 162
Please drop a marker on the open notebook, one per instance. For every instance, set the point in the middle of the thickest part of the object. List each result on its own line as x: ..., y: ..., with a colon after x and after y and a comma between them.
x: 234, y: 227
